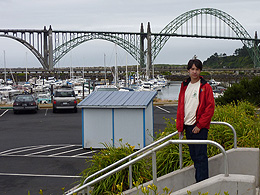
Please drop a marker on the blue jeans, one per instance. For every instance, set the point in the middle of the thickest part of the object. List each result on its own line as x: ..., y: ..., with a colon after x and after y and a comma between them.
x: 198, y: 152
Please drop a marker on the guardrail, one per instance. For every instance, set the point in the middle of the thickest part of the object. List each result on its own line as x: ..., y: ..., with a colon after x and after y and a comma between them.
x: 230, y: 126
x: 154, y: 167
x: 150, y: 146
x: 213, y: 123
x: 130, y: 156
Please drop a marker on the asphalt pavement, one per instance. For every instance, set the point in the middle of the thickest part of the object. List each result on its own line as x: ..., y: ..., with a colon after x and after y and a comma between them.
x: 43, y: 151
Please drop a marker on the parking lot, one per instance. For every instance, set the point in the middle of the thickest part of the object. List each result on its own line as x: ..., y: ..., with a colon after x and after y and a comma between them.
x: 43, y: 151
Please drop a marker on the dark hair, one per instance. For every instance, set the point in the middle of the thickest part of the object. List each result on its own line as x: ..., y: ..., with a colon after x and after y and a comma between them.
x: 196, y: 62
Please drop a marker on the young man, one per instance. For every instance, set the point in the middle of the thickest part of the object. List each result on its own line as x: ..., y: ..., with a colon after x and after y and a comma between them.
x: 195, y: 109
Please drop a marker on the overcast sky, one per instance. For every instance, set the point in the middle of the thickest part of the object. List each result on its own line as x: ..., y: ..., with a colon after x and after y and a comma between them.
x: 117, y: 15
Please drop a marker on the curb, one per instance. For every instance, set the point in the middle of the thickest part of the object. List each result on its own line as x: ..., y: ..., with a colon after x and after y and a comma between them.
x: 6, y: 107
x: 41, y: 106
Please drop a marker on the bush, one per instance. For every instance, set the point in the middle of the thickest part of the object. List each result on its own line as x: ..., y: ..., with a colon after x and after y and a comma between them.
x: 108, y: 156
x: 242, y: 116
x: 245, y: 90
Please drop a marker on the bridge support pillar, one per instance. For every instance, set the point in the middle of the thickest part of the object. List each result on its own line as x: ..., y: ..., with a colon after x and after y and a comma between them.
x: 142, y: 37
x: 45, y: 47
x: 149, y: 52
x: 50, y: 49
x: 255, y: 52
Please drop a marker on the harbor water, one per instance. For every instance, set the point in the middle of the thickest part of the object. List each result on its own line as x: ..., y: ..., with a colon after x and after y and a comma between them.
x: 170, y: 92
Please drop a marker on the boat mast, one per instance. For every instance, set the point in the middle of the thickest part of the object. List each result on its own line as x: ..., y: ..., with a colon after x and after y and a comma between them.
x: 153, y: 70
x: 83, y: 73
x: 116, y: 71
x: 105, y: 68
x: 137, y: 74
x: 12, y: 76
x: 5, y: 66
x: 26, y: 67
x: 126, y: 73
x: 71, y: 69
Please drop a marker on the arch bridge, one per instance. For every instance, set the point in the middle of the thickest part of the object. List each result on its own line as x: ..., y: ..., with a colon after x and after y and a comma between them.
x: 49, y: 46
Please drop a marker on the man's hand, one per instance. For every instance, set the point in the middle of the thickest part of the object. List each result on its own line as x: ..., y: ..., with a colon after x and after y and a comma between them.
x: 180, y: 135
x: 196, y: 130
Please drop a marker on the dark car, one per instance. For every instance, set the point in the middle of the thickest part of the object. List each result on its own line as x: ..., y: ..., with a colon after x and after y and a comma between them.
x: 25, y: 102
x: 64, y: 99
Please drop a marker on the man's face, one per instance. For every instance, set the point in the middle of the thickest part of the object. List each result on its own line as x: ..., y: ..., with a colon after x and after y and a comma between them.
x: 194, y: 73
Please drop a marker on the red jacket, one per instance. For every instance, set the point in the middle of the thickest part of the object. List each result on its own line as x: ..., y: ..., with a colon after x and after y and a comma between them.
x: 205, y: 108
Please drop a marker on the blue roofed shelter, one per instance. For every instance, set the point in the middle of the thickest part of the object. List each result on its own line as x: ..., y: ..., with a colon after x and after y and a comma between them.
x: 108, y: 116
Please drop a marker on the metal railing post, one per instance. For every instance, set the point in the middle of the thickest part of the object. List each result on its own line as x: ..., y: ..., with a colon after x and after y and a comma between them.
x: 88, y: 190
x: 130, y: 175
x: 180, y: 154
x: 154, y: 168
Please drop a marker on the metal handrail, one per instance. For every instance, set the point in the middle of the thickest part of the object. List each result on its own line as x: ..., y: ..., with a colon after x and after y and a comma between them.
x: 230, y: 126
x: 131, y: 155
x: 213, y: 123
x: 150, y: 146
x: 153, y: 153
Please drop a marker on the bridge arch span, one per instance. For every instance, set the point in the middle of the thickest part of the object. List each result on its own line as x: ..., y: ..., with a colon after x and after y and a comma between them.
x: 64, y: 48
x: 30, y: 47
x: 183, y: 19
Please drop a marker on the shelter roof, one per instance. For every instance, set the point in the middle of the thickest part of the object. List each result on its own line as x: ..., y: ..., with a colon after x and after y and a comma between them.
x: 118, y: 99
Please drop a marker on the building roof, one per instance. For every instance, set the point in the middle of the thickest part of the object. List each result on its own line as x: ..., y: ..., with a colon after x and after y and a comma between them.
x: 118, y: 99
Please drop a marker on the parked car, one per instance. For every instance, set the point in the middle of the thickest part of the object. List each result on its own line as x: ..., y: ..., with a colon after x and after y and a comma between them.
x: 63, y: 99
x: 44, y: 98
x: 25, y: 102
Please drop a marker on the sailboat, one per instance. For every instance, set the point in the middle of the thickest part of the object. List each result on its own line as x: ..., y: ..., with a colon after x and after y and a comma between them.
x: 7, y: 91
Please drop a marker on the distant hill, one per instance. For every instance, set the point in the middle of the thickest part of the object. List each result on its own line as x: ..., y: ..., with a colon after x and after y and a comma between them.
x: 240, y: 59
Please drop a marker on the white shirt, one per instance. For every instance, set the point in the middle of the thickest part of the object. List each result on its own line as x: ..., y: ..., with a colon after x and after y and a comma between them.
x: 191, y: 103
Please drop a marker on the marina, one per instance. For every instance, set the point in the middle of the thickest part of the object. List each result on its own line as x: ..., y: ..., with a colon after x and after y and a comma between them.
x: 43, y: 88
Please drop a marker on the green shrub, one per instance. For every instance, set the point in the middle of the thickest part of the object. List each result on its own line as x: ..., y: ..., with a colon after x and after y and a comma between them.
x: 204, y: 73
x: 108, y: 156
x: 245, y: 90
x: 242, y: 116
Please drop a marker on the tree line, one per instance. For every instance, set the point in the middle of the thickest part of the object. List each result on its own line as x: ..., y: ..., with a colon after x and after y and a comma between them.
x: 239, y: 59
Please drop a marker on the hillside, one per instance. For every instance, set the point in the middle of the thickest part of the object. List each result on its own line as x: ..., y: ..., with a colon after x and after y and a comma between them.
x: 240, y: 59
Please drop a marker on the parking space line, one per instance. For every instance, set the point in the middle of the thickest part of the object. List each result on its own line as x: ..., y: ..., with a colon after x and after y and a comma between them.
x: 24, y: 151
x: 66, y: 152
x: 46, y: 112
x: 163, y: 109
x: 17, y: 149
x: 36, y: 147
x: 37, y: 175
x: 50, y: 150
x: 3, y: 113
x: 45, y: 156
x: 78, y: 155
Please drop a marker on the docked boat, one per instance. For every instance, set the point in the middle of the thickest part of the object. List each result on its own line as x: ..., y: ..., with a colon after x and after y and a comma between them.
x: 213, y: 83
x: 78, y: 89
x: 8, y: 92
x: 106, y: 88
x: 44, y: 98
